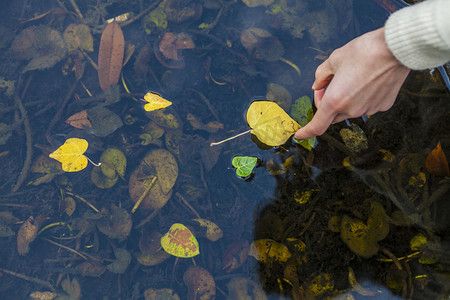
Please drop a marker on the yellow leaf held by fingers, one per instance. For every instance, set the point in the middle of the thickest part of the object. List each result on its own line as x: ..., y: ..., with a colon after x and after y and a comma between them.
x: 70, y: 154
x: 270, y: 123
x: 155, y: 101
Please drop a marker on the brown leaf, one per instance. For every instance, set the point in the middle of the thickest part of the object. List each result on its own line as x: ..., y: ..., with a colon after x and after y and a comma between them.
x: 110, y: 55
x: 27, y: 233
x: 200, y: 283
x: 79, y: 120
x: 236, y: 255
x: 436, y: 162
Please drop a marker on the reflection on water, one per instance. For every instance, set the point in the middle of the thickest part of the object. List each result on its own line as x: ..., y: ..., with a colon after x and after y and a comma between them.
x: 359, y: 216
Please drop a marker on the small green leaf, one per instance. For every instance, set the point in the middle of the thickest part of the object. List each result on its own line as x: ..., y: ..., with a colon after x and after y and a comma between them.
x: 244, y: 165
x: 302, y: 112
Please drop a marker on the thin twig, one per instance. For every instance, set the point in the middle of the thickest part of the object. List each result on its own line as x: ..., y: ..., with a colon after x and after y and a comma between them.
x: 65, y: 247
x: 26, y: 124
x: 59, y: 112
x: 28, y: 278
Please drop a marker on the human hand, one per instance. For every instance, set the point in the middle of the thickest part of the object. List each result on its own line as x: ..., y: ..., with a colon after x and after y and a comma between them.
x: 360, y: 78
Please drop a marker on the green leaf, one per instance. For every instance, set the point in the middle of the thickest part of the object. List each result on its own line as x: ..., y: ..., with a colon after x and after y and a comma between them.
x: 244, y: 165
x: 302, y: 112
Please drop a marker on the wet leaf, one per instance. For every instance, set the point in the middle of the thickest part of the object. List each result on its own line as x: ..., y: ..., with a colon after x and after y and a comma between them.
x: 302, y: 112
x: 155, y: 101
x: 123, y: 259
x: 79, y: 120
x: 244, y: 165
x: 436, y: 162
x: 280, y: 95
x: 243, y: 288
x: 27, y: 233
x: 208, y: 229
x: 116, y: 223
x: 270, y: 123
x: 110, y: 55
x: 46, y: 165
x: 235, y: 255
x: 69, y: 205
x: 70, y: 154
x: 355, y: 139
x: 361, y: 238
x: 180, y: 242
x: 91, y: 268
x: 164, y: 118
x: 5, y: 133
x: 104, y: 122
x: 43, y: 295
x: 42, y: 45
x: 263, y: 43
x: 158, y: 163
x: 152, y: 259
x: 156, y: 18
x: 255, y: 3
x: 113, y: 164
x: 421, y: 243
x: 321, y: 284
x: 268, y: 251
x: 78, y: 36
x: 72, y: 288
x: 200, y: 283
x: 161, y: 294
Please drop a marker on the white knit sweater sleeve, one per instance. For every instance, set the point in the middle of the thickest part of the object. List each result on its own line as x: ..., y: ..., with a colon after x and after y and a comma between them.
x: 419, y: 35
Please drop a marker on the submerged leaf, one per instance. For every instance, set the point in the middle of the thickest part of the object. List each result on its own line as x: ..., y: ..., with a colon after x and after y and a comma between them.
x: 110, y: 55
x: 70, y: 154
x: 180, y: 242
x: 436, y: 162
x: 155, y: 101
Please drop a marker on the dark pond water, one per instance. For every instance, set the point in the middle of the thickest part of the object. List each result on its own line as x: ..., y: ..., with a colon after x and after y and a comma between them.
x: 361, y: 220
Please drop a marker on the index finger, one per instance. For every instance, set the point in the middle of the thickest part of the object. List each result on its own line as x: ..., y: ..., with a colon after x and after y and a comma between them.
x: 318, y: 125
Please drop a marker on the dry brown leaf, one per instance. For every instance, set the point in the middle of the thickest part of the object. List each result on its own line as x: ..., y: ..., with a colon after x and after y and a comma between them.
x: 110, y: 55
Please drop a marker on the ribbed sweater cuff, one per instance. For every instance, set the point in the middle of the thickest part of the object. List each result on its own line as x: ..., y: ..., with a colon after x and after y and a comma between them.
x: 414, y: 36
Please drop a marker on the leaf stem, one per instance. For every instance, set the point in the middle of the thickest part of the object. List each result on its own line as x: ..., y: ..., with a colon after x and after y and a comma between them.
x: 230, y: 138
x: 147, y: 189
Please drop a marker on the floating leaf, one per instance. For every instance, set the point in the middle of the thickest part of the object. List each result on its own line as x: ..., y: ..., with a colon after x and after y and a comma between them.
x: 244, y: 165
x: 110, y: 55
x: 267, y: 250
x: 180, y: 242
x: 70, y: 154
x: 270, y: 123
x: 436, y: 162
x: 155, y: 101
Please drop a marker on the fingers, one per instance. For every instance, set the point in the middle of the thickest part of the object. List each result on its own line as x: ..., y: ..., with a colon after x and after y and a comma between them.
x: 324, y: 74
x: 317, y: 126
x: 318, y: 95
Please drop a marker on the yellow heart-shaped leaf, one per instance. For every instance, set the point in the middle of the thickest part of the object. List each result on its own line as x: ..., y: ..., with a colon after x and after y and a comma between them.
x: 155, y: 101
x: 270, y: 123
x: 70, y: 154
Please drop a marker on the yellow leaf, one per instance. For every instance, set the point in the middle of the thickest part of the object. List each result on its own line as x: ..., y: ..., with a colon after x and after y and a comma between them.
x: 70, y: 154
x: 180, y: 242
x: 267, y: 250
x: 155, y: 101
x: 270, y: 123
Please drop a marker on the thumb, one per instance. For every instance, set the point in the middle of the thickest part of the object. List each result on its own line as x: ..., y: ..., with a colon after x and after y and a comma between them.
x: 317, y: 126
